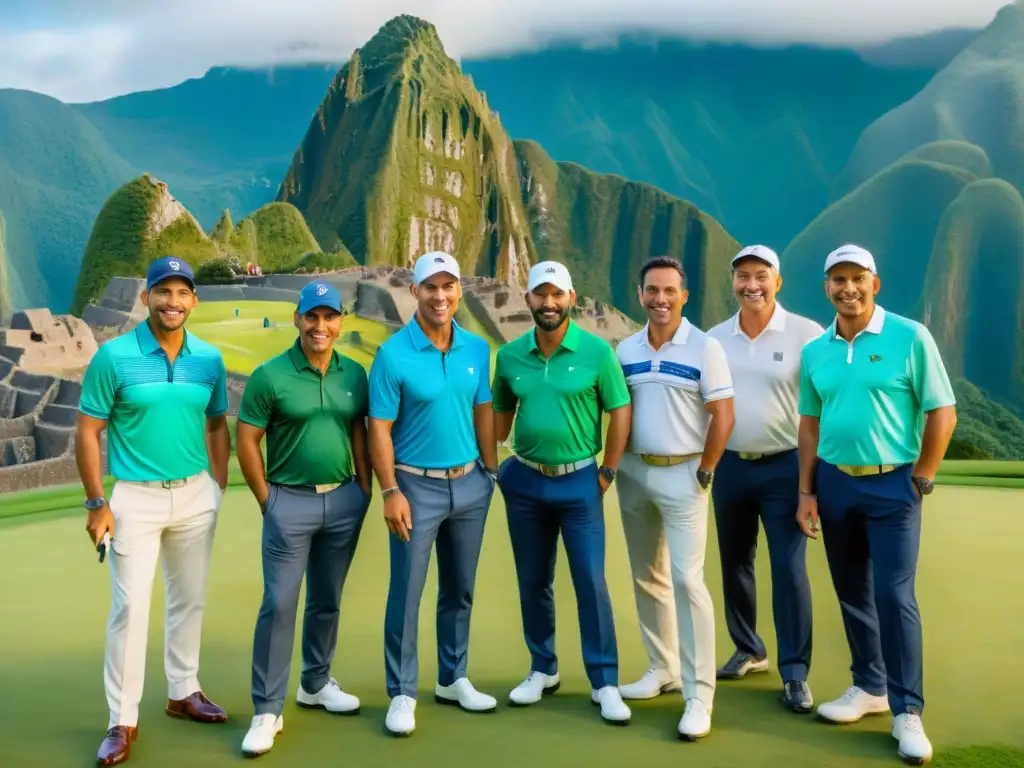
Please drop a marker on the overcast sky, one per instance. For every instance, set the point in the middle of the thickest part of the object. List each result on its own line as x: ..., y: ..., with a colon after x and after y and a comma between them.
x: 83, y: 50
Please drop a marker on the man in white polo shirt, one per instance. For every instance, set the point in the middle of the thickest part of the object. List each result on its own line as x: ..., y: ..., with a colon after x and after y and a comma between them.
x: 681, y: 389
x: 759, y: 476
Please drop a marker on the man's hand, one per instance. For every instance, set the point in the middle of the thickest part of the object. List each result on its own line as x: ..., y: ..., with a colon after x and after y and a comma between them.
x: 397, y: 515
x: 98, y: 522
x: 807, y: 516
x: 603, y: 483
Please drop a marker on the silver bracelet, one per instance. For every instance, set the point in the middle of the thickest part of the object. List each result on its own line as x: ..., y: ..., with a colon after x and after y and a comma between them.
x: 388, y: 491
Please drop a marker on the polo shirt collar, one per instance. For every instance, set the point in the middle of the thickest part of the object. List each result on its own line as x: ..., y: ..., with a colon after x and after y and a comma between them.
x: 874, y: 326
x: 776, y: 323
x: 570, y: 342
x: 148, y: 343
x: 420, y: 340
x: 678, y: 338
x: 300, y: 361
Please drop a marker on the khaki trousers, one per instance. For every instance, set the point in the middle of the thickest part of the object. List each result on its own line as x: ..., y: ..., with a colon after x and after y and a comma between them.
x: 177, y: 526
x: 665, y: 521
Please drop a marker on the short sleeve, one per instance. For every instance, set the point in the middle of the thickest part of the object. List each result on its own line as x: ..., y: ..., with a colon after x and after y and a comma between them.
x: 810, y: 400
x: 99, y: 385
x: 257, y: 400
x: 504, y: 399
x: 715, y: 376
x: 928, y: 376
x: 218, y: 404
x: 385, y: 389
x: 611, y: 381
x: 483, y: 390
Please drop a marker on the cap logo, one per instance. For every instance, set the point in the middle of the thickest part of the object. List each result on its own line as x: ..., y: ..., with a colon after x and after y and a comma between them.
x: 175, y: 265
x: 439, y: 260
x: 321, y: 290
x: 550, y: 270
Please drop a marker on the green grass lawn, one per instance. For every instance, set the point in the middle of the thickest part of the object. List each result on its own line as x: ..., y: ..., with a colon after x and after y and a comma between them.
x: 245, y: 343
x: 57, y: 596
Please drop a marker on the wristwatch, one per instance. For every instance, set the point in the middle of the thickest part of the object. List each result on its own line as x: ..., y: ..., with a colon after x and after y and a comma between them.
x: 924, y: 485
x: 93, y: 504
x: 607, y: 473
x: 388, y: 491
x: 704, y: 478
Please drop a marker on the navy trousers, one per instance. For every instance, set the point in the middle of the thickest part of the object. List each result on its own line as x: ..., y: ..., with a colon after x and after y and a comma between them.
x: 767, y: 491
x: 872, y: 531
x: 312, y: 535
x: 451, y: 515
x: 539, y: 508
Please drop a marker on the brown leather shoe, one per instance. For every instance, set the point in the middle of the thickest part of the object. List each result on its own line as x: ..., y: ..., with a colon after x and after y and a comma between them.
x: 117, y: 745
x: 197, y: 707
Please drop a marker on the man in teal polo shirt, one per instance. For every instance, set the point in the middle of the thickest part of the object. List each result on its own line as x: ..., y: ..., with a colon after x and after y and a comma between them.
x: 555, y: 381
x: 433, y: 451
x: 161, y: 395
x: 876, y: 414
x: 313, y: 491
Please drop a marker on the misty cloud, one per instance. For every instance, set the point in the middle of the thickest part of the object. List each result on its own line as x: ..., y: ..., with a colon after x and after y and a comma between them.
x: 82, y: 50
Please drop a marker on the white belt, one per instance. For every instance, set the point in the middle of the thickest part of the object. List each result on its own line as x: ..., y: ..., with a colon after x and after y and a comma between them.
x: 557, y: 470
x: 165, y: 483
x: 452, y: 473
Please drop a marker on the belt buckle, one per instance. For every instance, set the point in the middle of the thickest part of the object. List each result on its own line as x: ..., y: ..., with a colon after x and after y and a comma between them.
x: 456, y: 472
x: 169, y: 484
x: 751, y: 455
x: 548, y: 470
x: 326, y: 487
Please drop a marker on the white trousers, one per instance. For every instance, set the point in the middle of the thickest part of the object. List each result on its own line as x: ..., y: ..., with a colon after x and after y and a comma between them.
x: 177, y: 524
x: 665, y: 521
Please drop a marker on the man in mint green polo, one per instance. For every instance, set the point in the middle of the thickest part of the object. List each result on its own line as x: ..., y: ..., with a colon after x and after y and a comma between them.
x: 876, y: 414
x: 311, y: 404
x: 555, y: 382
x: 160, y: 393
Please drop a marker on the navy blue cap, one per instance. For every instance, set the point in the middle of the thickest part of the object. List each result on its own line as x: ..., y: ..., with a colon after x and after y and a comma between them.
x: 317, y: 294
x: 169, y: 266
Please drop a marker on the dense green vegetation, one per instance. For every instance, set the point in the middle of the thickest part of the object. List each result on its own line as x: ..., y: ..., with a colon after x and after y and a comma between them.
x: 123, y: 241
x: 272, y: 237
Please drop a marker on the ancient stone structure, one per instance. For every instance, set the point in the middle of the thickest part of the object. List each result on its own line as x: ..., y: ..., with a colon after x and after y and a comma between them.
x: 42, y: 360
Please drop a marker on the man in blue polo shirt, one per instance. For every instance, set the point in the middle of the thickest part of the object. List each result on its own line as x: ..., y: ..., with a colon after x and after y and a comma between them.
x: 161, y: 395
x: 432, y: 448
x: 876, y: 415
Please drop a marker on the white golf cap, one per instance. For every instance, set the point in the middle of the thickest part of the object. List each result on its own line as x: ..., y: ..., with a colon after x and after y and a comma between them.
x: 851, y: 254
x: 760, y: 252
x: 549, y: 272
x: 429, y: 264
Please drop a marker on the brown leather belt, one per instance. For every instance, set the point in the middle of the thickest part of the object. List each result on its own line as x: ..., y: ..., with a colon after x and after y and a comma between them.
x: 666, y: 461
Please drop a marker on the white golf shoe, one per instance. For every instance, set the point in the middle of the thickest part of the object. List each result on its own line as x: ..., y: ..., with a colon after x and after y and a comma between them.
x: 262, y: 732
x: 463, y: 694
x: 330, y: 698
x: 535, y: 687
x: 654, y: 683
x: 401, y: 717
x: 852, y: 706
x: 695, y: 722
x: 613, y: 708
x: 908, y: 730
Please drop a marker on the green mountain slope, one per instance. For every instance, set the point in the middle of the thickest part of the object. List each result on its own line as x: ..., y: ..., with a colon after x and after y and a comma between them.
x: 220, y: 141
x: 973, y: 297
x: 405, y: 155
x: 977, y: 98
x: 754, y: 137
x: 606, y: 227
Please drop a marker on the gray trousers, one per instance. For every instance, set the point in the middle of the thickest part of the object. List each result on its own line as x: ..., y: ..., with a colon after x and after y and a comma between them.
x: 451, y: 513
x: 304, y: 533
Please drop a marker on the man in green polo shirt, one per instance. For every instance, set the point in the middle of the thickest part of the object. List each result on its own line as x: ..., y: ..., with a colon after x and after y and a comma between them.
x: 311, y: 403
x: 876, y: 414
x: 555, y: 381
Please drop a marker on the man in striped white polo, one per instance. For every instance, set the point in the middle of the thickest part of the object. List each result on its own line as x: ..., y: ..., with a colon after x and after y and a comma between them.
x: 682, y: 394
x: 759, y: 476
